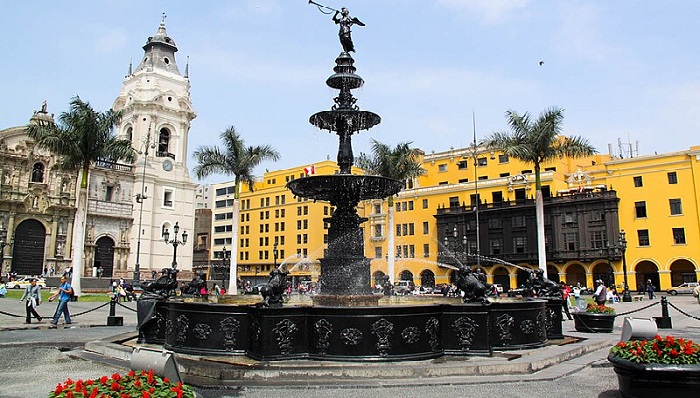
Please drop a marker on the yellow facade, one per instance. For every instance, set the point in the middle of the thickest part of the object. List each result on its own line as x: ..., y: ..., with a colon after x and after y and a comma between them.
x: 451, y: 176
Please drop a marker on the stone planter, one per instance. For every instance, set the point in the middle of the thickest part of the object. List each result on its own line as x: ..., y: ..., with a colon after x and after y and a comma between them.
x: 655, y: 380
x: 593, y: 323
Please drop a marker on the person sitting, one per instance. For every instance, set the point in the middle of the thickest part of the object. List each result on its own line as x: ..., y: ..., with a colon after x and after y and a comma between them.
x: 121, y: 293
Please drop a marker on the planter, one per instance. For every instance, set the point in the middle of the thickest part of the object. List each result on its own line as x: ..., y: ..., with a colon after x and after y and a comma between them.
x: 588, y: 322
x: 655, y: 380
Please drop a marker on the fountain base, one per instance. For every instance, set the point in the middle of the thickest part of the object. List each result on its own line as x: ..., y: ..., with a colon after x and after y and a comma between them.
x: 350, y: 300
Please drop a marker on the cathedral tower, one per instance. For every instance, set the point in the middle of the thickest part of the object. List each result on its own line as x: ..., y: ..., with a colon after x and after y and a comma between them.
x: 157, y: 113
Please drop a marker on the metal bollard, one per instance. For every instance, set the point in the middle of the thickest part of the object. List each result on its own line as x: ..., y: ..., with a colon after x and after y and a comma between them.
x: 113, y: 320
x: 663, y: 321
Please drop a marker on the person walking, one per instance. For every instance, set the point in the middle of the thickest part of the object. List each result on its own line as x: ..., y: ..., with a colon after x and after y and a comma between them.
x: 33, y: 295
x: 650, y: 289
x: 64, y: 292
x: 601, y: 293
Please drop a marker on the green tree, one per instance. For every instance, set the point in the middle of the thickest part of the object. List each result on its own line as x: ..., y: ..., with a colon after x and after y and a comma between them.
x: 537, y: 142
x: 81, y: 137
x: 239, y: 161
x: 400, y: 163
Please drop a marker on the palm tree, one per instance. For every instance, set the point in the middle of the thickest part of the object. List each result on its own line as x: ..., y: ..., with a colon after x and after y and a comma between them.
x: 401, y: 163
x: 82, y: 137
x: 537, y: 142
x: 238, y: 160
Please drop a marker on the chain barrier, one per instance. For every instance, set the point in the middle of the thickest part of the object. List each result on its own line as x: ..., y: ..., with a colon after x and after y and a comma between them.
x: 72, y: 315
x: 638, y: 309
x: 683, y: 312
x: 123, y: 306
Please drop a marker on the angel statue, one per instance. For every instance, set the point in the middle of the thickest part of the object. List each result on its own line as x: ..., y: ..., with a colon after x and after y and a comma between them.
x: 343, y: 19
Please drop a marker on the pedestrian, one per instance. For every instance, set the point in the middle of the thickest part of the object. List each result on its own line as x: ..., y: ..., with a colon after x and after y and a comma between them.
x: 99, y: 272
x: 565, y: 293
x: 45, y: 273
x: 51, y: 271
x: 154, y: 274
x: 601, y: 293
x: 64, y: 292
x: 3, y: 288
x: 33, y: 295
x: 650, y: 289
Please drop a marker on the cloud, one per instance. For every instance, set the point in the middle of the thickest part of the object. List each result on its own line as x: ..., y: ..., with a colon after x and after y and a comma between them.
x: 489, y: 12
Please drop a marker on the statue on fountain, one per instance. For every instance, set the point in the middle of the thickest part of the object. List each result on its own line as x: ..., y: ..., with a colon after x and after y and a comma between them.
x: 473, y: 284
x: 343, y: 19
x: 539, y: 286
x: 162, y: 287
x: 195, y: 286
x: 273, y: 290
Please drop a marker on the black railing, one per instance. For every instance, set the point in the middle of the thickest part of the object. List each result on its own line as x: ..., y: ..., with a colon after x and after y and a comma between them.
x: 160, y: 154
x: 106, y: 164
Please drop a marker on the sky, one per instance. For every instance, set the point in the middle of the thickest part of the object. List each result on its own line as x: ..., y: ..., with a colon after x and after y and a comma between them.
x: 622, y: 70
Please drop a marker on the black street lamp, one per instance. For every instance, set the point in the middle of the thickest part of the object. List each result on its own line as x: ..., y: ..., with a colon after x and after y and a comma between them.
x: 274, y: 254
x: 622, y: 244
x: 175, y: 242
x: 225, y: 268
x: 3, y: 242
x: 455, y: 247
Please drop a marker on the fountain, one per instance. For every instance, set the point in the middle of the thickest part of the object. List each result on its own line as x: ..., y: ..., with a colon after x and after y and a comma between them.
x: 347, y: 322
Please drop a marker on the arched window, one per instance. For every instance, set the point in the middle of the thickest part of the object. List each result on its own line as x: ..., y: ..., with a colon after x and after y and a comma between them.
x: 38, y: 172
x: 163, y: 142
x: 130, y: 134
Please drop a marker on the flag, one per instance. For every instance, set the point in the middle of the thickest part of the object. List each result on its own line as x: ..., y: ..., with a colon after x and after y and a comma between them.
x: 311, y: 170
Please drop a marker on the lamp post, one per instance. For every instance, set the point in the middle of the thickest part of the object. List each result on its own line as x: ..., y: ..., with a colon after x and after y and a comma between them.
x: 274, y: 254
x: 622, y: 244
x: 139, y: 199
x: 175, y: 242
x: 224, y: 257
x: 455, y: 245
x: 3, y: 242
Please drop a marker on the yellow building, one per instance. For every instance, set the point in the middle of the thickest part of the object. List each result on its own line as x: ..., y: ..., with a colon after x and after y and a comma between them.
x: 655, y: 199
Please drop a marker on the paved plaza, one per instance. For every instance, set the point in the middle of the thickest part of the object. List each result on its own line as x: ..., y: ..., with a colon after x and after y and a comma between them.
x: 37, y: 357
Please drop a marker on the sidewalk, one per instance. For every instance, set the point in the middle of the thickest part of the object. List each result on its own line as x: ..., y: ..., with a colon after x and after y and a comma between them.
x: 581, y: 367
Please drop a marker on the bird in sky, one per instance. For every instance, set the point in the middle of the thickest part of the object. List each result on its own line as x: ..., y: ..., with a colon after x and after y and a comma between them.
x: 541, y: 63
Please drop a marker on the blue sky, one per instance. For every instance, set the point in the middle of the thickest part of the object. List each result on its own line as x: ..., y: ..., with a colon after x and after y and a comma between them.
x: 621, y: 69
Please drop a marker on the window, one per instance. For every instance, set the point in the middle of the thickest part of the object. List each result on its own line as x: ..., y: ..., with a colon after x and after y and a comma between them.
x: 305, y: 239
x: 517, y: 222
x: 454, y: 201
x: 463, y: 180
x: 425, y: 203
x: 495, y: 246
x: 597, y: 239
x: 426, y: 250
x: 410, y: 205
x: 377, y: 208
x: 220, y: 191
x: 638, y: 181
x: 496, y: 196
x: 504, y: 175
x: 462, y: 165
x: 167, y: 198
x: 676, y: 208
x: 298, y: 224
x: 306, y: 224
x: 570, y: 241
x: 495, y: 223
x: 672, y: 177
x: 38, y: 172
x: 298, y: 210
x: 163, y: 143
x: 442, y: 168
x: 306, y: 210
x: 526, y: 172
x: 109, y: 192
x: 679, y: 236
x: 426, y: 228
x: 482, y: 162
x: 398, y: 230
x: 503, y: 158
x: 519, y: 244
x: 481, y: 178
x: 643, y: 237
x: 568, y: 218
x: 378, y: 231
x: 378, y: 252
x: 640, y: 209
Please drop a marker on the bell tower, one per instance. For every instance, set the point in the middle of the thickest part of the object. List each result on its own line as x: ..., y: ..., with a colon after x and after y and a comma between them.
x: 157, y: 114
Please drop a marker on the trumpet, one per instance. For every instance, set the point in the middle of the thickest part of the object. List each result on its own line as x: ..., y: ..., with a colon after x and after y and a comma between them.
x: 322, y: 6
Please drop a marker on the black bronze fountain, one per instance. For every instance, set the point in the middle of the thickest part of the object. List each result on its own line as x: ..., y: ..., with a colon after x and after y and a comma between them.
x: 347, y: 322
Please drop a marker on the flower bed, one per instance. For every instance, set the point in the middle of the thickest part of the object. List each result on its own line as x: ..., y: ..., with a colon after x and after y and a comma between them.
x: 596, y: 319
x: 143, y: 385
x: 662, y: 367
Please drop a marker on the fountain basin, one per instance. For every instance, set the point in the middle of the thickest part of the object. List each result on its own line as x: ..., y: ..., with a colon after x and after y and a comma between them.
x: 348, y: 333
x: 348, y: 187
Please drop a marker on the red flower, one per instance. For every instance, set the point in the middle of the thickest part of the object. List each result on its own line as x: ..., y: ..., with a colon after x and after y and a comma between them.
x: 622, y: 344
x: 165, y: 380
x: 146, y: 395
x: 674, y: 353
x: 58, y: 390
x: 131, y: 374
x: 103, y: 380
x: 115, y: 386
x: 116, y: 377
